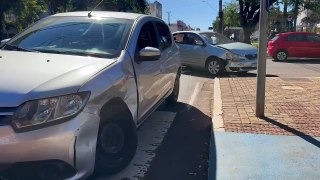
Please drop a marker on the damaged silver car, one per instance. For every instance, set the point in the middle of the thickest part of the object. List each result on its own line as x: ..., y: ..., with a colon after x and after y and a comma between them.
x: 215, y: 53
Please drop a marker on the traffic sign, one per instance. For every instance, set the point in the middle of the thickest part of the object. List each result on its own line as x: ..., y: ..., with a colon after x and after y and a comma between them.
x: 289, y: 18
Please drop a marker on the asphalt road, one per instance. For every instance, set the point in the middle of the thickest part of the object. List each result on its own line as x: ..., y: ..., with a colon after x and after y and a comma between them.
x: 174, y: 141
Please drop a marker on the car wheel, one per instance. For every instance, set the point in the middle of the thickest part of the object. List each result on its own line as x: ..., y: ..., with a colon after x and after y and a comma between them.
x: 116, y: 146
x: 281, y: 56
x: 215, y: 67
x: 173, y: 97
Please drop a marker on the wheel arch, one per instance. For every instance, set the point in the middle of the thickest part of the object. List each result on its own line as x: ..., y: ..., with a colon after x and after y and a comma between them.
x: 116, y: 109
x: 212, y: 57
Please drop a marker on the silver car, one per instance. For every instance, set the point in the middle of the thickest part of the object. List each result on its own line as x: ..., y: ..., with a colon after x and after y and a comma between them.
x: 214, y: 52
x: 75, y: 86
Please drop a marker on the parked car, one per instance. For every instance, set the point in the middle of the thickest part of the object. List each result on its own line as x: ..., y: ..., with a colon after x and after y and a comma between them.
x: 214, y: 52
x: 294, y: 44
x: 75, y: 86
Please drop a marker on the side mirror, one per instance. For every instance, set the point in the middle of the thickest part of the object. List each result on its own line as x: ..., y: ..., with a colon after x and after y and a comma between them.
x: 4, y: 41
x: 149, y: 54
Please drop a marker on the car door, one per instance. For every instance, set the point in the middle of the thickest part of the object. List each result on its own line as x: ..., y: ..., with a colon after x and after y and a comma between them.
x: 168, y: 67
x: 147, y: 72
x: 313, y: 43
x: 192, y: 49
x: 296, y: 45
x: 178, y: 37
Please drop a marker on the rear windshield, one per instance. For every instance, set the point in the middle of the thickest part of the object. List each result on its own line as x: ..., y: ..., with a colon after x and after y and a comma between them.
x: 275, y: 38
x: 84, y: 36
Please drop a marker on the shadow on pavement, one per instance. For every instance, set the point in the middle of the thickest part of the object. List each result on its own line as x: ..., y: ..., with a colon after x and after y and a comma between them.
x: 302, y: 135
x: 184, y: 152
x: 301, y: 61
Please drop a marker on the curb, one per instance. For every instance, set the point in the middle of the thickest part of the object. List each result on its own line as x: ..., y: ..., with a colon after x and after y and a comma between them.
x: 217, y: 119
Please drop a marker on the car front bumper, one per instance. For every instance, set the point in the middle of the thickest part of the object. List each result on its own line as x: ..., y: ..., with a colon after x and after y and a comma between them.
x: 247, y: 65
x: 71, y: 144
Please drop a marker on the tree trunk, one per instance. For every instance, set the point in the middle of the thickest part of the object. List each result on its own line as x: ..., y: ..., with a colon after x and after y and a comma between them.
x: 285, y: 14
x: 2, y: 25
x: 247, y: 33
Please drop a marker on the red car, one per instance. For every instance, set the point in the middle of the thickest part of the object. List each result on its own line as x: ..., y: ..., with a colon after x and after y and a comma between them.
x: 294, y: 44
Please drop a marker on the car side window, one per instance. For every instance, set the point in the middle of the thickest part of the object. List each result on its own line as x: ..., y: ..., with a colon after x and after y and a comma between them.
x: 295, y: 38
x: 192, y: 39
x: 178, y: 38
x: 188, y: 38
x: 313, y: 38
x: 164, y: 35
x: 147, y: 37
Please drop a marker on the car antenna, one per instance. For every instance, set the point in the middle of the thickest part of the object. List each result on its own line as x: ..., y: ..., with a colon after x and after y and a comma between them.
x: 89, y: 14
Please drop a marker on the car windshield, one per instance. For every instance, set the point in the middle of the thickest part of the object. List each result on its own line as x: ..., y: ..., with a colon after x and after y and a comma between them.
x: 215, y: 38
x: 84, y: 36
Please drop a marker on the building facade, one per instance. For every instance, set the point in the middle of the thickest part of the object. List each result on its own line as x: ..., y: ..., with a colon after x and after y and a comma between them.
x: 156, y: 9
x: 180, y: 26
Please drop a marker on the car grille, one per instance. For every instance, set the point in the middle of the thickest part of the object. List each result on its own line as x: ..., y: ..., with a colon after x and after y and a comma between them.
x: 5, y: 115
x: 251, y: 56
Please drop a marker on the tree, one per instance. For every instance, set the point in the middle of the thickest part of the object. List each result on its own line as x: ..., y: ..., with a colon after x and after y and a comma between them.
x: 5, y: 6
x: 249, y: 16
x: 55, y: 6
x: 231, y: 15
x: 137, y: 6
x: 314, y: 16
x: 27, y: 12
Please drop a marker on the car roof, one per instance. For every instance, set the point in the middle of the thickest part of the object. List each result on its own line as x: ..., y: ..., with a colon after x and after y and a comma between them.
x: 106, y: 14
x: 288, y: 33
x: 198, y: 32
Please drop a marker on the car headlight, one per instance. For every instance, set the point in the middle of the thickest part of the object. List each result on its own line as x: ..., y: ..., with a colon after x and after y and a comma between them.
x: 234, y: 57
x: 49, y: 110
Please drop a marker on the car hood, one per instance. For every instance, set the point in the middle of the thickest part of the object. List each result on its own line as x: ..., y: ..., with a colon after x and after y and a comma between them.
x: 30, y: 75
x: 239, y: 48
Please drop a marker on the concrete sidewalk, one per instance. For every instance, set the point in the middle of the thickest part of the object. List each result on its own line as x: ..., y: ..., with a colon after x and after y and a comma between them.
x: 283, y: 145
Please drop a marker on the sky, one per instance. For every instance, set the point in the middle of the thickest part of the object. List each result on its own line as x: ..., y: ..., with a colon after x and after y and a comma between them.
x: 196, y: 13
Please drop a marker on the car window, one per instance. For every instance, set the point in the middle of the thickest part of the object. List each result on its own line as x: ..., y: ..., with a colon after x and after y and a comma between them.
x: 147, y: 37
x: 188, y: 38
x: 215, y: 38
x: 178, y: 38
x: 295, y: 38
x: 165, y: 35
x: 275, y: 38
x: 313, y: 38
x: 75, y: 35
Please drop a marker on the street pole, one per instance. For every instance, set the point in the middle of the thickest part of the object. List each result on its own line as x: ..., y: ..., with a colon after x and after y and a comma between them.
x: 220, y: 17
x: 168, y: 17
x: 261, y: 74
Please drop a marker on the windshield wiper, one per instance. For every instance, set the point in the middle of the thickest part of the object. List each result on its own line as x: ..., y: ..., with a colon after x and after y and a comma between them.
x: 72, y: 53
x: 14, y: 47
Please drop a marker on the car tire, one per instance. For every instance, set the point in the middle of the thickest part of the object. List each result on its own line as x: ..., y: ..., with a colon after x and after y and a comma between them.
x: 281, y: 56
x: 173, y: 97
x: 215, y: 67
x: 116, y: 145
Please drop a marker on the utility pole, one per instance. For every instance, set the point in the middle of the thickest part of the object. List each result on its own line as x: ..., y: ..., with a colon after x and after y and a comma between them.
x: 220, y: 17
x: 261, y: 74
x: 169, y: 13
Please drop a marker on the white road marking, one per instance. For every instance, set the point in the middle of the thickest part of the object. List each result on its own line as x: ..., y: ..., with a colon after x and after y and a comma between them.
x: 194, y: 95
x: 150, y: 136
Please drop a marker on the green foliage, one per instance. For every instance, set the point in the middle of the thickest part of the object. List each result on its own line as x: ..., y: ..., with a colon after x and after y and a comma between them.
x: 27, y: 12
x: 231, y: 14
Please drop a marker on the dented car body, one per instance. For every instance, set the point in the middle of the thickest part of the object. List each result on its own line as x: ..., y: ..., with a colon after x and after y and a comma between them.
x: 74, y: 88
